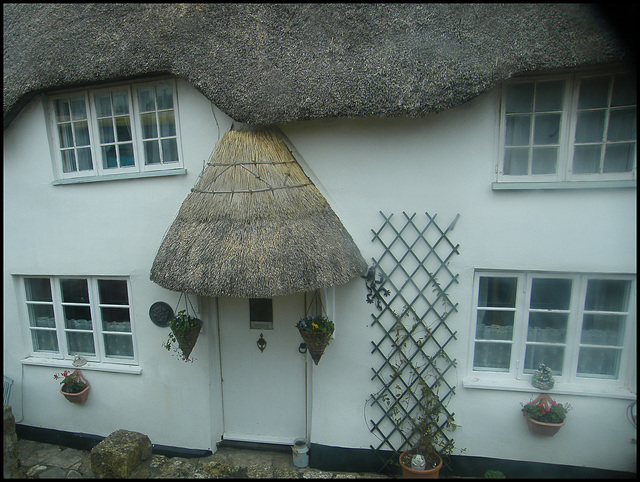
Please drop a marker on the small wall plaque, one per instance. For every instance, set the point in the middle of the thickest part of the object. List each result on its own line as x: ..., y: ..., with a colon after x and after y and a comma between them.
x: 161, y: 314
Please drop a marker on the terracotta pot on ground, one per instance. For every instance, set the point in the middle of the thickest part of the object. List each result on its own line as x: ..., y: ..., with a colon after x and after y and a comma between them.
x: 409, y: 473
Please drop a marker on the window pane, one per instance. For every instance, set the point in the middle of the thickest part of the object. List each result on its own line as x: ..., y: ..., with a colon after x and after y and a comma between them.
x: 170, y: 150
x: 149, y: 128
x: 68, y: 161
x: 38, y: 289
x: 44, y: 340
x: 516, y: 161
x: 551, y: 356
x: 590, y: 126
x: 152, y: 152
x: 62, y: 110
x: 109, y: 159
x: 624, y: 90
x: 80, y: 343
x: 167, y: 124
x: 547, y: 129
x: 65, y: 135
x: 543, y: 160
x: 74, y: 290
x: 497, y: 292
x: 607, y: 295
x: 594, y: 92
x: 116, y: 319
x: 42, y: 316
x: 118, y: 345
x: 146, y: 99
x: 602, y: 330
x: 126, y: 155
x: 518, y: 130
x: 165, y: 96
x: 622, y: 125
x: 105, y: 128
x: 599, y: 361
x: 113, y: 292
x: 120, y: 102
x: 551, y: 294
x: 103, y: 104
x: 618, y: 158
x: 496, y: 356
x: 494, y: 325
x: 549, y: 95
x: 547, y: 327
x: 519, y: 97
x: 81, y: 131
x: 123, y: 129
x: 78, y: 108
x: 84, y: 160
x: 77, y: 318
x: 586, y: 159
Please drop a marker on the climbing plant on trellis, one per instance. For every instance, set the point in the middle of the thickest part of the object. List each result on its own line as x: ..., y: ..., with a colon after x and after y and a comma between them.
x: 409, y: 285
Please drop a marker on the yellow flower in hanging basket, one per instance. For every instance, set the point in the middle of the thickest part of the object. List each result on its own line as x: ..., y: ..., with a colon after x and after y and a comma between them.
x: 316, y: 332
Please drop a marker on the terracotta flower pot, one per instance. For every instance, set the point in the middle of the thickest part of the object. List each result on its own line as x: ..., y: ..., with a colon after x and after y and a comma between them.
x: 316, y: 343
x: 409, y: 473
x: 79, y: 397
x: 545, y: 429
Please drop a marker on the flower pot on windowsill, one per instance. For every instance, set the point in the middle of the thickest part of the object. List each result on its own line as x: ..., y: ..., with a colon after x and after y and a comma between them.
x: 409, y: 473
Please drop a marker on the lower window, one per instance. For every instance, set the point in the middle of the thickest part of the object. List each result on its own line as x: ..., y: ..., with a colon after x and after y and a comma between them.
x: 70, y: 316
x: 578, y: 325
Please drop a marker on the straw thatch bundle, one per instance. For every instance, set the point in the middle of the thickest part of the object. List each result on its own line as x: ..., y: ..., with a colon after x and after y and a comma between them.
x: 254, y: 225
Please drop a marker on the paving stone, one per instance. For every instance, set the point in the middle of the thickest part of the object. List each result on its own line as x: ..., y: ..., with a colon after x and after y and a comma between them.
x: 316, y: 474
x: 53, y: 473
x: 66, y: 459
x: 33, y: 471
x: 74, y: 474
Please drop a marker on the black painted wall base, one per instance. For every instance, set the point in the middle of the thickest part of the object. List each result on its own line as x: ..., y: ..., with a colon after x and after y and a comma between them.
x: 325, y: 457
x: 86, y: 441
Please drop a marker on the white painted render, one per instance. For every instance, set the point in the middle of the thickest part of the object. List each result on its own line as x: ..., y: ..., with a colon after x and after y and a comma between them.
x: 443, y: 164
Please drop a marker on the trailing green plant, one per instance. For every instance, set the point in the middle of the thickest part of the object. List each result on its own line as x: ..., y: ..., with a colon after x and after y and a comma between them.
x: 316, y: 324
x: 546, y: 412
x: 71, y: 382
x: 493, y: 474
x: 179, y: 326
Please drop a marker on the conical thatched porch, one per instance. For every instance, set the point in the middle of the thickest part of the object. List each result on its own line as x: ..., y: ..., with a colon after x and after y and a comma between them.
x: 253, y: 226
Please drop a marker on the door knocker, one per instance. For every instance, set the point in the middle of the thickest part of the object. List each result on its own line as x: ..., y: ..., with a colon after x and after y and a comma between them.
x: 262, y: 343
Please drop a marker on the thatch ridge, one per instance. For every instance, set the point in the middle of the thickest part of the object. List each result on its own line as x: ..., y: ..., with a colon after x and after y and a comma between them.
x: 254, y: 225
x: 277, y: 63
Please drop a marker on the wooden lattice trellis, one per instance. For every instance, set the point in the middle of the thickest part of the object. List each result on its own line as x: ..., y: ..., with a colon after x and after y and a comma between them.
x: 409, y: 286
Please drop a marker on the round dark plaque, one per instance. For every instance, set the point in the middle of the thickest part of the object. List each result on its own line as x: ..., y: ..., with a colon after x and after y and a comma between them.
x: 160, y: 313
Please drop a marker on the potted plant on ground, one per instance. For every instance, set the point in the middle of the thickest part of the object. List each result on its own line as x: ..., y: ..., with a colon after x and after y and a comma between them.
x: 545, y: 416
x: 316, y: 331
x: 432, y: 441
x: 183, y: 335
x: 75, y: 386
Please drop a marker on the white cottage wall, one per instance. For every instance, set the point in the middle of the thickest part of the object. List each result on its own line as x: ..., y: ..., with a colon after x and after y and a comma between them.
x: 445, y: 165
x: 106, y: 228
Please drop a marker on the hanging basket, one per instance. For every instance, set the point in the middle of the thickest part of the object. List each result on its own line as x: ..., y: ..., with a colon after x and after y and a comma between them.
x: 542, y: 428
x: 79, y: 397
x: 187, y: 338
x: 316, y: 343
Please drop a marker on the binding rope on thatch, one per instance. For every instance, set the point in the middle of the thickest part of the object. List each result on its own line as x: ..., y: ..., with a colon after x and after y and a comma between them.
x: 267, y: 231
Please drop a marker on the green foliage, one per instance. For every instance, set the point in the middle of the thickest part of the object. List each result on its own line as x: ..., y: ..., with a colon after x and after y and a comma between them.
x: 316, y: 324
x: 493, y: 474
x: 71, y: 382
x: 546, y: 412
x: 181, y: 323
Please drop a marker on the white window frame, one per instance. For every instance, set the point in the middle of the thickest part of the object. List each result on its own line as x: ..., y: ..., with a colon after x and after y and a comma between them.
x: 140, y: 168
x: 515, y: 378
x: 62, y: 354
x: 564, y: 177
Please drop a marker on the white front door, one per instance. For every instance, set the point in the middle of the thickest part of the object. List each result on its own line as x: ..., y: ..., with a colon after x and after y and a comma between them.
x: 263, y: 392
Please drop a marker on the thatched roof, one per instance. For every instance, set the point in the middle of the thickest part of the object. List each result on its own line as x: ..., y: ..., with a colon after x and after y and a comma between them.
x: 276, y: 63
x: 255, y: 226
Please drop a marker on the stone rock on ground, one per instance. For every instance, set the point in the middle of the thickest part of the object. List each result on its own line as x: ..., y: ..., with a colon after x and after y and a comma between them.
x: 119, y: 454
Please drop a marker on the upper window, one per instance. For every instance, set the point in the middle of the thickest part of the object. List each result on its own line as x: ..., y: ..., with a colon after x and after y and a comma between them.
x: 130, y: 128
x: 80, y: 316
x: 578, y: 325
x: 579, y: 127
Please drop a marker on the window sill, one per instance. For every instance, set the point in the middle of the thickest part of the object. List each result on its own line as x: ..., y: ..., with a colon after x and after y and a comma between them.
x: 580, y: 389
x: 96, y: 366
x: 513, y: 186
x: 119, y: 177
